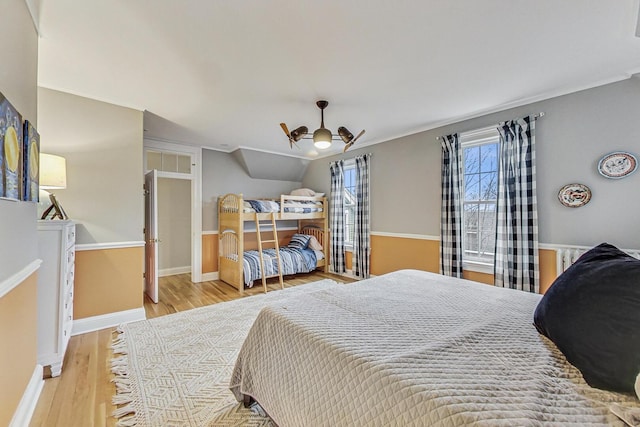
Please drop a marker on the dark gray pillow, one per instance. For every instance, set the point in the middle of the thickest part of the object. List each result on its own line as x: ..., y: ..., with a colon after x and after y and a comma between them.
x: 592, y: 313
x: 299, y: 241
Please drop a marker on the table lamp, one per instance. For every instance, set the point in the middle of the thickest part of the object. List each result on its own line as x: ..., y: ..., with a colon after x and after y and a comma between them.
x: 53, y: 176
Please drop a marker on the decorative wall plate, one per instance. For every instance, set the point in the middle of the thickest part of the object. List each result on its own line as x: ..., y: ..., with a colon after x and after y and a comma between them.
x: 574, y: 195
x: 617, y: 165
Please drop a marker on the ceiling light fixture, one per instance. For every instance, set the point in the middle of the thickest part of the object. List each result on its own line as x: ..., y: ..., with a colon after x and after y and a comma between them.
x: 322, y: 137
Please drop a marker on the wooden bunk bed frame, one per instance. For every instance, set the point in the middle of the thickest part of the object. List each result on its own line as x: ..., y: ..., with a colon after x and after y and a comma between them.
x: 231, y: 219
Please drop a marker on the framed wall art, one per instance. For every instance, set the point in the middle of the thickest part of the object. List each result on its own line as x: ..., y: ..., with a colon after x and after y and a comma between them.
x: 11, y: 150
x: 31, y: 168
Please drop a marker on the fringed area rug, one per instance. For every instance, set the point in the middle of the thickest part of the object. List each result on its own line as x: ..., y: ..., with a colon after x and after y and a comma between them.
x: 175, y: 370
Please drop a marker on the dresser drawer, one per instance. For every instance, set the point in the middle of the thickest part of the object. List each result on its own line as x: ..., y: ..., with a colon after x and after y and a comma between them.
x: 69, y: 278
x: 71, y: 258
x: 68, y: 302
x: 70, y: 235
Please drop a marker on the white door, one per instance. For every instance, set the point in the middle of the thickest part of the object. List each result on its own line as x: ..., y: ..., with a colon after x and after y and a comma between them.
x: 151, y: 234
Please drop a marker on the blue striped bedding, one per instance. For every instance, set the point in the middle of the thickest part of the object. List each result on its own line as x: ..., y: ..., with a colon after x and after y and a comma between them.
x: 294, y: 261
x: 298, y: 206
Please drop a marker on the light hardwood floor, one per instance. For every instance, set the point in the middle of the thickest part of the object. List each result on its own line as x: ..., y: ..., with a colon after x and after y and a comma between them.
x: 81, y: 396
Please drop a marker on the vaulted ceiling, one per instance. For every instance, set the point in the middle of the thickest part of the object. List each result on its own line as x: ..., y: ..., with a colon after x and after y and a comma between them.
x: 224, y: 74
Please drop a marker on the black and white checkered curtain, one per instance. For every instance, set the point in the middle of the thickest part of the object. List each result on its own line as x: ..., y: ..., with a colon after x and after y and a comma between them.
x: 362, y: 228
x: 516, y: 259
x: 336, y: 219
x: 451, y: 208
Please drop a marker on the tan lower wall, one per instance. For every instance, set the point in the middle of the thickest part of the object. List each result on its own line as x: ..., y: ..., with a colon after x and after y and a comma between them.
x: 108, y: 281
x: 19, y: 338
x: 389, y: 253
x: 478, y: 277
x: 548, y: 268
x: 396, y: 253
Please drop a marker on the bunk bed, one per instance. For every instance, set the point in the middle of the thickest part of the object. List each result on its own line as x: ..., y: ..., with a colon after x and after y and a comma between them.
x: 239, y: 268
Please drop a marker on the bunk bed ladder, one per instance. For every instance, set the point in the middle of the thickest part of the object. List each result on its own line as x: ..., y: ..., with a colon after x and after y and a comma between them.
x: 277, y: 248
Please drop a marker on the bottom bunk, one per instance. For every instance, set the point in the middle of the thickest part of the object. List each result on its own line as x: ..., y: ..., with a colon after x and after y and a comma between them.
x: 303, y: 254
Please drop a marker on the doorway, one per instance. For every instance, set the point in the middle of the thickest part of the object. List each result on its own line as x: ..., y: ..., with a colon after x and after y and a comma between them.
x: 174, y: 226
x: 178, y: 172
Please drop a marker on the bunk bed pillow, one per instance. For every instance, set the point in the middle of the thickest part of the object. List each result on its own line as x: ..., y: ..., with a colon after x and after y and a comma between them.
x: 299, y: 241
x: 314, y: 244
x: 307, y: 192
x: 592, y: 313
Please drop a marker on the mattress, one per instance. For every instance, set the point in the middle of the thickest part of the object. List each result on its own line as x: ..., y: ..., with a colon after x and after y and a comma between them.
x: 413, y: 349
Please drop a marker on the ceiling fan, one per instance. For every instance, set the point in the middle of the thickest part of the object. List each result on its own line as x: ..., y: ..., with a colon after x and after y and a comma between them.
x: 322, y: 136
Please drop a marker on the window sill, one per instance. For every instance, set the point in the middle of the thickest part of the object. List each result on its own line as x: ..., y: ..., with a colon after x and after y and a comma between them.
x: 478, y: 267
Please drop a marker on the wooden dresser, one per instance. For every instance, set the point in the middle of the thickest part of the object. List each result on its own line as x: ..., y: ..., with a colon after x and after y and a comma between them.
x: 56, y: 248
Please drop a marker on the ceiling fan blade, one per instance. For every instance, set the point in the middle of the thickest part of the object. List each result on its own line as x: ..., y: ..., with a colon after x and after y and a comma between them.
x: 359, y: 135
x: 286, y: 132
x: 353, y: 141
x: 285, y: 129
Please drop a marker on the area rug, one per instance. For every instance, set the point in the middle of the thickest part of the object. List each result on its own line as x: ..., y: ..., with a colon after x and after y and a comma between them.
x: 174, y: 370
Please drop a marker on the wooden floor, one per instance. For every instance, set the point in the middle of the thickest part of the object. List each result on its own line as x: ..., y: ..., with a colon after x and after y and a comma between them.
x: 81, y: 396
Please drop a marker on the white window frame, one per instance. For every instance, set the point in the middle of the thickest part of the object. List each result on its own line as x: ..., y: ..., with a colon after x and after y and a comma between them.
x: 348, y: 165
x: 469, y: 139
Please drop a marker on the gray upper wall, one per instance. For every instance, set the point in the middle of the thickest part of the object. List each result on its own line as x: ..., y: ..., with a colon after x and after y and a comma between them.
x: 576, y: 131
x: 18, y: 83
x: 102, y: 144
x: 262, y: 165
x: 222, y: 174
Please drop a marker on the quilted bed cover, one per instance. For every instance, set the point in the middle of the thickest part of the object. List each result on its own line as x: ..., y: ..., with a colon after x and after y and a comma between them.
x: 412, y: 348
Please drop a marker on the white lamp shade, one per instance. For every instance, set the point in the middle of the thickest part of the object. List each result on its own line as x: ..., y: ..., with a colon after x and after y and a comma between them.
x: 53, y: 171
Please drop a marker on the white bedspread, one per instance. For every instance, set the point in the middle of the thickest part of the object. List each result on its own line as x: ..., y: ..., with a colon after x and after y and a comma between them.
x: 413, y: 349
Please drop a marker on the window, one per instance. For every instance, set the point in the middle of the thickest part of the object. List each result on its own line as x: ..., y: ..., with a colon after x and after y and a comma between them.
x: 168, y: 162
x: 480, y: 169
x: 349, y: 201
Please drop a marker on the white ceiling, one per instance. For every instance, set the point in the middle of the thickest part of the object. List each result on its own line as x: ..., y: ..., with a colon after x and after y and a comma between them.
x: 224, y: 74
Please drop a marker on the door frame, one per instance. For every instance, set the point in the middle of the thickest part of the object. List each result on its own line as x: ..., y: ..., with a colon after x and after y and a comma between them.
x: 152, y: 144
x: 151, y: 235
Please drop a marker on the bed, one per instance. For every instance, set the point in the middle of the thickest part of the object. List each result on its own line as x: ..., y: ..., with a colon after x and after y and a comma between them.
x: 294, y: 260
x: 413, y: 348
x: 240, y: 267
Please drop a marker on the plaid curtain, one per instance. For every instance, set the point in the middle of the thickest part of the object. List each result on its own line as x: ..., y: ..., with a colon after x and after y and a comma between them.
x: 451, y: 208
x: 516, y: 260
x: 362, y: 228
x: 336, y: 219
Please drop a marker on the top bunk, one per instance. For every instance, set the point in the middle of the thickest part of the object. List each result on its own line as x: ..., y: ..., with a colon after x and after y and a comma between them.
x: 288, y: 207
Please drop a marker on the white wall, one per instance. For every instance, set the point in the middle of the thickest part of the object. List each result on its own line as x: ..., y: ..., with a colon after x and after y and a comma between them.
x: 577, y: 130
x: 103, y: 146
x: 174, y: 223
x: 18, y: 83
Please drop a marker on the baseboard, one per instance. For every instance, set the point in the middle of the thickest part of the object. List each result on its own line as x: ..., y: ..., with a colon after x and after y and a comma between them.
x: 206, y: 277
x: 173, y: 271
x: 24, y: 411
x: 95, y: 323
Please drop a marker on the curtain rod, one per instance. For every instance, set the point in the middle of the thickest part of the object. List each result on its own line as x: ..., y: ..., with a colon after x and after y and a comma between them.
x: 535, y: 116
x: 352, y: 157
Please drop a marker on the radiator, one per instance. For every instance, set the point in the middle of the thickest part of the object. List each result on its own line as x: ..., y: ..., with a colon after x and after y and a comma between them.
x: 567, y: 255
